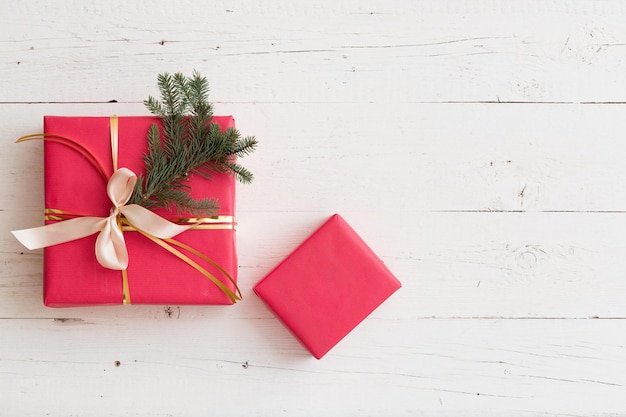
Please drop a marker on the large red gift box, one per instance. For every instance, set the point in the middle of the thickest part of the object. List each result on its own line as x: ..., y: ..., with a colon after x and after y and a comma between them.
x: 73, y: 276
x: 327, y: 286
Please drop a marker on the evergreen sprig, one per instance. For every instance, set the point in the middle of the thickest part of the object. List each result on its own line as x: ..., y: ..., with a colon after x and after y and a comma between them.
x: 189, y: 143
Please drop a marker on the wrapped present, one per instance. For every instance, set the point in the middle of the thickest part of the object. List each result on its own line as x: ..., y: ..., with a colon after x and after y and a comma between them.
x: 327, y: 286
x: 159, y: 270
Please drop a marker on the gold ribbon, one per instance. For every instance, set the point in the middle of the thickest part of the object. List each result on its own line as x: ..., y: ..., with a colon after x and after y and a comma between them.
x: 198, y: 223
x: 110, y: 247
x: 113, y: 129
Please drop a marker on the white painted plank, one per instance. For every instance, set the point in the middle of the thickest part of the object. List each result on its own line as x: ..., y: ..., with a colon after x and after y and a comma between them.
x: 400, y: 157
x: 466, y: 265
x: 351, y: 51
x: 417, y: 157
x: 475, y: 264
x: 391, y: 367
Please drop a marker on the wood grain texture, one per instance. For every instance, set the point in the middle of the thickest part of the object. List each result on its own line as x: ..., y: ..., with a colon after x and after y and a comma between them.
x: 365, y: 51
x: 198, y: 366
x: 475, y: 145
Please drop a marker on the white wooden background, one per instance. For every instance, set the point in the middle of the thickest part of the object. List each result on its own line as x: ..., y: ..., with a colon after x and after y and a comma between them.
x: 477, y: 146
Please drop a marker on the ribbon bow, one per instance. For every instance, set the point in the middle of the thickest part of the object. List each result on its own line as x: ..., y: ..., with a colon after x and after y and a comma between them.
x: 110, y: 246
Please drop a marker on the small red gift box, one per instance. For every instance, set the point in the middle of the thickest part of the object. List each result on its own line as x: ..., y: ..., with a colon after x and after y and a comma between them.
x: 327, y: 286
x: 73, y: 276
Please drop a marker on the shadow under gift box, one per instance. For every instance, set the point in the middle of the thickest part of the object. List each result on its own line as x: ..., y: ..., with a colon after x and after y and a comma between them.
x: 73, y: 276
x: 327, y: 286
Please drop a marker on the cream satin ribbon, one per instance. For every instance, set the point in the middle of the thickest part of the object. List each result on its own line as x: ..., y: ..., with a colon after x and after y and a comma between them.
x: 110, y: 246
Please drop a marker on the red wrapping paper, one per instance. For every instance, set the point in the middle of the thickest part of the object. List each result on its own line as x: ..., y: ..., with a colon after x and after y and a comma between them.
x: 327, y: 286
x: 73, y: 276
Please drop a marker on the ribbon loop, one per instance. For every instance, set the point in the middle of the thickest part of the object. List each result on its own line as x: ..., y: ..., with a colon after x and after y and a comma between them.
x: 120, y: 186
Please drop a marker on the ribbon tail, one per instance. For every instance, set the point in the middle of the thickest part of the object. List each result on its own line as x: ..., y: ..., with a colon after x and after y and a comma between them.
x: 143, y: 219
x: 232, y: 296
x: 54, y: 234
x: 209, y: 260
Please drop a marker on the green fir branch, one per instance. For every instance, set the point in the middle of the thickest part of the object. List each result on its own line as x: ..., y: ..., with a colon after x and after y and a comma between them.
x: 189, y: 143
